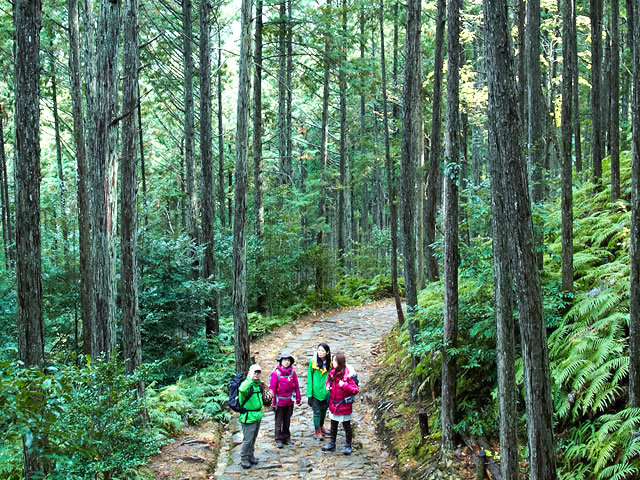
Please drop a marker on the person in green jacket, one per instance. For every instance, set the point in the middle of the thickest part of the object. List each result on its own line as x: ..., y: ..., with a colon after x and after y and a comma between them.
x: 250, y: 396
x: 317, y: 394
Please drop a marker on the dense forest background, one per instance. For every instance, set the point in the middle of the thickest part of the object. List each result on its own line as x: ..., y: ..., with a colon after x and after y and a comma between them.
x: 178, y: 178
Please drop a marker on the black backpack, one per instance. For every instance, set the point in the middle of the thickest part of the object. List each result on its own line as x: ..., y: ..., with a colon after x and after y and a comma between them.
x: 234, y: 402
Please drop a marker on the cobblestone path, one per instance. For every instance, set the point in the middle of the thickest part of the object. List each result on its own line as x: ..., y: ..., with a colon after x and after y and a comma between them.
x: 355, y: 332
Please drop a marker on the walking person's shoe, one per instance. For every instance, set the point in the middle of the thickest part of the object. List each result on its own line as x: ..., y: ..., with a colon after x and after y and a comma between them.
x: 329, y: 447
x: 347, y: 449
x: 324, y: 430
x: 254, y: 461
x: 245, y: 464
x: 288, y: 442
x: 319, y: 435
x: 278, y: 444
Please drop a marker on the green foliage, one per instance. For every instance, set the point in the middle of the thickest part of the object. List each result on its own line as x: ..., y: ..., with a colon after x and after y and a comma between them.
x: 83, y: 420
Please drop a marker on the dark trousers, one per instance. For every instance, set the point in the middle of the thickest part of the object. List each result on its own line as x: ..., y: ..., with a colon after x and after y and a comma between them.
x: 348, y: 433
x: 249, y: 435
x: 283, y: 420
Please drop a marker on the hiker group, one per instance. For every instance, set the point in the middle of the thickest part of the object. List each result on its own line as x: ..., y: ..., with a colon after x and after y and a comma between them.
x: 331, y: 385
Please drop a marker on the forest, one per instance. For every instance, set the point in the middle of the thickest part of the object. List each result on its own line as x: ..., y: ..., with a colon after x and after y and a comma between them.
x: 180, y: 178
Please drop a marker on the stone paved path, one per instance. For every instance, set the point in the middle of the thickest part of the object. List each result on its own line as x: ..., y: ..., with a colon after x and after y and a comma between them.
x: 355, y: 332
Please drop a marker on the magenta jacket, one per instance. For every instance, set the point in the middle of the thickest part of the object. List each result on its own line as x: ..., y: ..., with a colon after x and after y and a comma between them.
x: 338, y: 393
x: 285, y: 387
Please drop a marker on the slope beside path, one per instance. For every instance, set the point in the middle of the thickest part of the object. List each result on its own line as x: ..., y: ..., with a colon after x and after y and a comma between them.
x: 355, y: 332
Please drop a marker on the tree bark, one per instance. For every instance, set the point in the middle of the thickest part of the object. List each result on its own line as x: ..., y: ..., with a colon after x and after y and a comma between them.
x: 634, y: 234
x: 502, y: 278
x: 84, y: 238
x: 284, y: 176
x: 5, y: 212
x: 221, y: 189
x: 239, y: 300
x: 614, y: 90
x: 258, y: 181
x: 566, y: 129
x: 103, y: 184
x: 434, y: 179
x: 342, y: 188
x: 410, y: 151
x: 131, y: 335
x: 191, y: 202
x: 212, y: 322
x: 577, y: 141
x: 451, y: 254
x: 324, y: 153
x: 56, y: 126
x: 535, y: 112
x: 390, y: 176
x: 595, y: 12
x: 27, y: 22
x: 503, y: 101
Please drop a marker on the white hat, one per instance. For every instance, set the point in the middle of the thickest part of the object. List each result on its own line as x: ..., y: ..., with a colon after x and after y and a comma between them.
x: 253, y: 368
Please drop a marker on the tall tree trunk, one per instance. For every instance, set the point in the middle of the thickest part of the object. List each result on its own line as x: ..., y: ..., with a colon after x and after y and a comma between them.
x: 396, y: 106
x: 342, y: 188
x: 390, y: 176
x: 451, y: 255
x: 212, y: 323
x: 505, y: 126
x: 284, y: 175
x: 324, y: 154
x: 27, y: 22
x: 56, y: 126
x: 258, y: 183
x: 614, y: 136
x: 239, y: 300
x: 4, y: 197
x: 595, y: 12
x: 84, y: 238
x: 143, y: 170
x: 567, y: 194
x: 535, y: 112
x: 634, y: 234
x: 103, y: 185
x: 577, y: 141
x: 191, y: 203
x: 131, y: 336
x: 498, y: 50
x: 409, y: 154
x: 289, y: 99
x: 522, y: 61
x: 364, y: 213
x: 221, y: 189
x: 434, y: 179
x: 502, y: 274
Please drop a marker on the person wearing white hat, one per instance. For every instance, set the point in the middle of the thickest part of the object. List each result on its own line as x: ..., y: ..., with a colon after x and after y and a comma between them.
x: 250, y: 396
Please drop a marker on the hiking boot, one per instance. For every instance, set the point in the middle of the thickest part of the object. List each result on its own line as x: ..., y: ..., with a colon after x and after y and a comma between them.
x: 329, y: 447
x: 288, y: 442
x: 278, y: 444
x: 254, y: 461
x: 347, y: 449
x: 245, y: 464
x: 319, y: 435
x: 324, y: 430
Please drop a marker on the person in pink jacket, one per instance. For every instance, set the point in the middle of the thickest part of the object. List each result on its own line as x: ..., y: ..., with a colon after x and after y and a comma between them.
x: 342, y: 388
x: 285, y: 387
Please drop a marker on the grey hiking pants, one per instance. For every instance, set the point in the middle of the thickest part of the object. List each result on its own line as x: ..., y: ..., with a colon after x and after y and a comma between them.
x: 249, y: 435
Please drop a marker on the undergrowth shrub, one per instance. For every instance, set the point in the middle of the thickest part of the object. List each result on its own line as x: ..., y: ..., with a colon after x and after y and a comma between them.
x: 598, y: 435
x: 83, y: 420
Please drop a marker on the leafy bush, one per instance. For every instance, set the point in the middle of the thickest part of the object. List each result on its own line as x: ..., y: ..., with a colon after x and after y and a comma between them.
x: 82, y: 420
